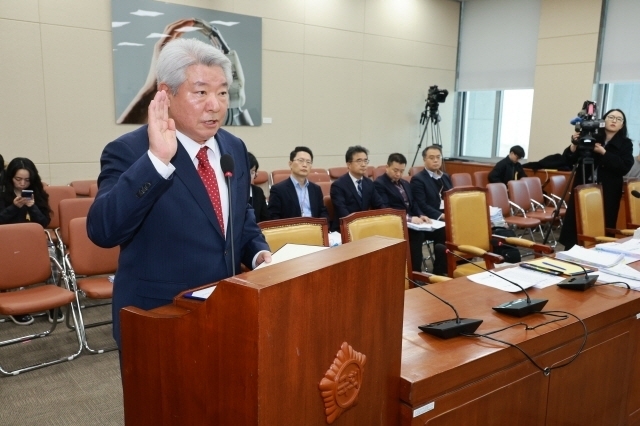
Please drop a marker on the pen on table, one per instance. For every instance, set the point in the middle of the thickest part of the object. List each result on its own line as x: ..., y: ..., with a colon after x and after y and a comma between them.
x: 553, y: 266
x: 540, y: 269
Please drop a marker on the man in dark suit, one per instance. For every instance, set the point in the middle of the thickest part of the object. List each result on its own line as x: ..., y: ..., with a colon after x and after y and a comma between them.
x: 509, y: 167
x: 163, y: 197
x: 428, y: 187
x: 296, y: 196
x: 353, y: 191
x: 256, y: 197
x: 396, y: 193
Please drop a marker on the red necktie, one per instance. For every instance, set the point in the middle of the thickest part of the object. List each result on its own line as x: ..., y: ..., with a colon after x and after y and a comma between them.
x: 208, y: 177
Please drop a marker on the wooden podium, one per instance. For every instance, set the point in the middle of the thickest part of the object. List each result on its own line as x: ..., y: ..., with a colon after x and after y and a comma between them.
x: 265, y: 347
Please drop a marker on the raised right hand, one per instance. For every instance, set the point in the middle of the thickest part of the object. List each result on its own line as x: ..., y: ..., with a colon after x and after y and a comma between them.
x: 162, y: 129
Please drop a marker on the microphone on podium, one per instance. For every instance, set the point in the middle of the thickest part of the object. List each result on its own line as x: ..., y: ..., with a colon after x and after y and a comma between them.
x: 515, y: 308
x: 227, y: 165
x: 635, y: 193
x: 580, y: 283
x: 451, y: 327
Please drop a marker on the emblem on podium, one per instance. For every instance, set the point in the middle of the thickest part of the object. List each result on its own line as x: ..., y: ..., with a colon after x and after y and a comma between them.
x: 342, y: 382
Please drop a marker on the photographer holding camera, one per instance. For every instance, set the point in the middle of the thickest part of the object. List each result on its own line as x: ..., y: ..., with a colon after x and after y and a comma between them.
x: 612, y: 155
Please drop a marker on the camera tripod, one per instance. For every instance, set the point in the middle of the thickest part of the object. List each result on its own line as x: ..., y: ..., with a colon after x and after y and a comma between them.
x: 585, y: 160
x: 429, y: 115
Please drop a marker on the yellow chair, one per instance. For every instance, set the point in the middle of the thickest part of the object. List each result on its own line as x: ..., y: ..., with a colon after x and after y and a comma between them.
x: 468, y: 231
x: 383, y: 222
x: 590, y: 217
x: 298, y: 230
x: 632, y: 204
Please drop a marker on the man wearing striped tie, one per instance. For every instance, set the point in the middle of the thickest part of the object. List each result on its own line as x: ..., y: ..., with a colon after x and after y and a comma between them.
x: 354, y: 191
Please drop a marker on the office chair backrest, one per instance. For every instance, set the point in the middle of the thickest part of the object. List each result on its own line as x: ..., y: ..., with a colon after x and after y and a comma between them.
x: 298, y: 230
x: 467, y: 217
x: 589, y: 210
x: 24, y: 257
x: 86, y: 257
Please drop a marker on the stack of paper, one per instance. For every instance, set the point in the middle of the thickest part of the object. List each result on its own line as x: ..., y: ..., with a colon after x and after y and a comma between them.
x: 630, y: 248
x: 435, y: 224
x: 596, y: 258
x: 524, y: 277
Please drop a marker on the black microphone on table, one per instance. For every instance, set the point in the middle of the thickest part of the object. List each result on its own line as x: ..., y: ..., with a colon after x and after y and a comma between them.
x: 227, y: 165
x: 580, y: 283
x: 451, y: 327
x: 635, y: 193
x: 515, y: 308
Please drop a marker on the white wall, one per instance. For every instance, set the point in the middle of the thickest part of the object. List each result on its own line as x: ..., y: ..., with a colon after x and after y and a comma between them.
x: 335, y: 73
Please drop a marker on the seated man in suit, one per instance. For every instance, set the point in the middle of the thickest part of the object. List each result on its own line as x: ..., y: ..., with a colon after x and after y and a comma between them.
x: 396, y: 193
x: 353, y: 191
x: 257, y: 200
x: 428, y: 187
x: 508, y: 168
x: 296, y: 196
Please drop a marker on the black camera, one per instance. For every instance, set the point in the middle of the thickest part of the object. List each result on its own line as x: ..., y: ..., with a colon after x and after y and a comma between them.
x: 588, y: 125
x: 434, y: 98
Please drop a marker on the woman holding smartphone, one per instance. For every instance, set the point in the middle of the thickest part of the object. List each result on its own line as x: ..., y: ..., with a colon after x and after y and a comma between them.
x: 23, y: 199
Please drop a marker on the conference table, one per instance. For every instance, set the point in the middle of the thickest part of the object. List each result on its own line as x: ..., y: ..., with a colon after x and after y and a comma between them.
x: 477, y: 381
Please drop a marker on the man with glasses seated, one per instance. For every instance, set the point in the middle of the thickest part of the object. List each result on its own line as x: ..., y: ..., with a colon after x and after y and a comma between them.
x: 353, y: 191
x: 296, y: 196
x: 428, y: 188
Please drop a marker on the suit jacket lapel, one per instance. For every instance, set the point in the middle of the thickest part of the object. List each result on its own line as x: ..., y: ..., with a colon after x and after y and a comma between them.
x: 187, y: 173
x: 293, y: 197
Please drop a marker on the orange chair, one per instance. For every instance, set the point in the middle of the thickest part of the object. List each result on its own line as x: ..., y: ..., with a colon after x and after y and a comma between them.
x: 57, y: 194
x: 326, y: 188
x: 461, y: 179
x: 82, y: 187
x: 520, y: 201
x: 379, y: 171
x: 415, y: 170
x: 89, y: 267
x: 25, y: 264
x: 336, y: 172
x: 539, y: 199
x: 497, y: 197
x: 93, y: 190
x: 279, y: 177
x: 481, y: 178
x: 261, y: 177
x: 318, y: 177
x: 328, y: 204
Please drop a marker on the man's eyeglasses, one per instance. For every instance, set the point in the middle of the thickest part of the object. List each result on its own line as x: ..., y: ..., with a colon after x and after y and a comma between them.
x: 361, y: 161
x: 614, y: 118
x: 434, y: 157
x: 302, y: 161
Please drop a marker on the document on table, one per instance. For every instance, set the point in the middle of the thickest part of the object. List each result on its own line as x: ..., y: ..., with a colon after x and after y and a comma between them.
x: 291, y: 251
x: 630, y: 248
x: 597, y: 258
x: 525, y: 277
x: 435, y: 224
x: 605, y: 277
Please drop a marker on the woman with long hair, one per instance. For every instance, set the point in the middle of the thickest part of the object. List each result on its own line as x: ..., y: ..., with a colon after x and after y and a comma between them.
x: 22, y: 175
x: 15, y: 207
x: 612, y: 154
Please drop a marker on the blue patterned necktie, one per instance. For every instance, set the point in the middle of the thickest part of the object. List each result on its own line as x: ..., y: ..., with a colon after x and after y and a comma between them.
x: 359, y: 182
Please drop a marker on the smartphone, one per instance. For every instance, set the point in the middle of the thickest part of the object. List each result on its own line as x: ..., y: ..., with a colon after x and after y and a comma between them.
x: 27, y: 193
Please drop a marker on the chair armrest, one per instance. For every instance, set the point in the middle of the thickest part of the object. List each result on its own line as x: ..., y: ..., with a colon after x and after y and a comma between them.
x: 627, y: 232
x: 428, y: 278
x: 605, y: 239
x: 551, y: 200
x: 516, y: 207
x: 521, y: 242
x: 535, y: 205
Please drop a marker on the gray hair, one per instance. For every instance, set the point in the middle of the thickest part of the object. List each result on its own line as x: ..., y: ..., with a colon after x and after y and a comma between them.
x: 179, y: 54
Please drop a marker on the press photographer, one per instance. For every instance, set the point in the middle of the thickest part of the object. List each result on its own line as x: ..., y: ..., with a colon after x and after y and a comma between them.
x: 603, y: 154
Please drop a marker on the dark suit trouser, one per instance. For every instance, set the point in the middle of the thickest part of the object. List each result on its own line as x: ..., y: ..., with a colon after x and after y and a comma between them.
x: 416, y: 239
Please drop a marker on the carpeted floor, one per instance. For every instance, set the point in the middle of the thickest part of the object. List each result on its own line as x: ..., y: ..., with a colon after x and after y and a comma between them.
x: 84, y: 391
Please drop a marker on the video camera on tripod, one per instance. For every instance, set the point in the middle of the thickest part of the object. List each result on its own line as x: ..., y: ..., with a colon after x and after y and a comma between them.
x: 435, y: 97
x: 588, y: 125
